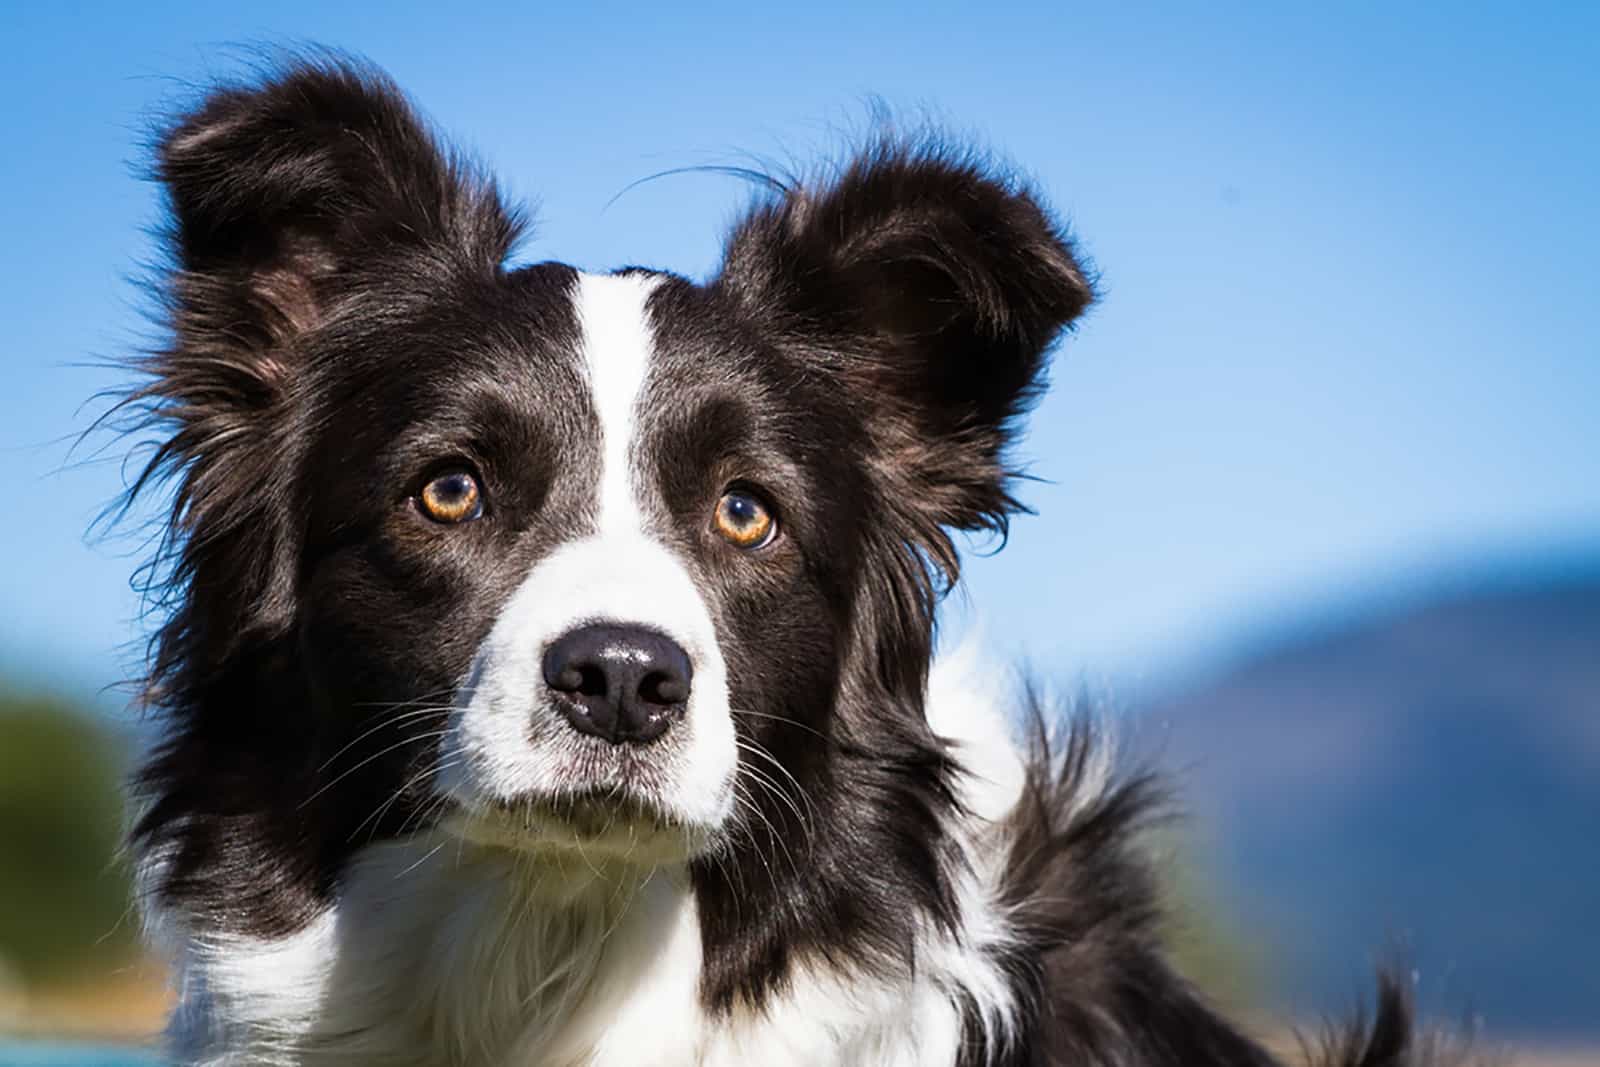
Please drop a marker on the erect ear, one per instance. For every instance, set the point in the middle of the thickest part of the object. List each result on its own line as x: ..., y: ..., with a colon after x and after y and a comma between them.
x: 278, y: 190
x: 285, y: 198
x: 938, y: 287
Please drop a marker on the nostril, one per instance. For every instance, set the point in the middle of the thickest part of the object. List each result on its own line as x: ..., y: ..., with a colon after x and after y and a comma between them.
x: 662, y: 688
x: 591, y: 681
x: 579, y: 679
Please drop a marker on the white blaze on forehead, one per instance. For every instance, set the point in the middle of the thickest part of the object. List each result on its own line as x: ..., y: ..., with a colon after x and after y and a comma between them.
x: 508, y: 737
x: 617, y: 346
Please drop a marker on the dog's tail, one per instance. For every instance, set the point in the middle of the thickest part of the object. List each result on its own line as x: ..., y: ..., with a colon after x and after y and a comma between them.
x: 1392, y: 1038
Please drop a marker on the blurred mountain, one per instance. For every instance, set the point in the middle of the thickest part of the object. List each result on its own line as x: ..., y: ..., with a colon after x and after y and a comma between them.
x: 1422, y: 781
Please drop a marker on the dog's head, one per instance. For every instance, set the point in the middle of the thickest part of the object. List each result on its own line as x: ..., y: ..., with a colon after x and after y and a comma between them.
x: 544, y: 559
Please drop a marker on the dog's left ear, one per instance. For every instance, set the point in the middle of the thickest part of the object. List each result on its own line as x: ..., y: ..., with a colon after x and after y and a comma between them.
x: 935, y: 288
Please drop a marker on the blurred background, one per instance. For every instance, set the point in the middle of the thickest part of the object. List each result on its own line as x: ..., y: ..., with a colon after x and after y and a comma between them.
x: 1318, y: 497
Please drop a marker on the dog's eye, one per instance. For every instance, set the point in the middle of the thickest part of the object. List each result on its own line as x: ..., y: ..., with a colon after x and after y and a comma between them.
x: 451, y: 497
x: 742, y: 519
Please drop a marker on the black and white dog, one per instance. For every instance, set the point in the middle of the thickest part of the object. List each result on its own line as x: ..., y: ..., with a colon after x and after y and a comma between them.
x: 546, y: 657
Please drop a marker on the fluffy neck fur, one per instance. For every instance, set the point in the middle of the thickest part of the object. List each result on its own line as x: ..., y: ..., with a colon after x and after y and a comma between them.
x: 438, y: 952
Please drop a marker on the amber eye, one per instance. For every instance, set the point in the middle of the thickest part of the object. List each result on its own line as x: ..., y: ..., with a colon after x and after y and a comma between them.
x: 451, y: 497
x: 742, y: 519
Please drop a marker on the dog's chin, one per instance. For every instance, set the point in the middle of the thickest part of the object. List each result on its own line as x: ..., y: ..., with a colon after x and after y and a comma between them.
x: 586, y: 828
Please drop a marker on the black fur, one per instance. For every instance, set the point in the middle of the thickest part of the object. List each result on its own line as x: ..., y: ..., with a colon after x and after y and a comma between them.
x: 1091, y: 971
x: 342, y: 321
x: 916, y: 280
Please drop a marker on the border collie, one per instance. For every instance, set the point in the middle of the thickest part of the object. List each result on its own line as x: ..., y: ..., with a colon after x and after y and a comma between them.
x: 546, y: 656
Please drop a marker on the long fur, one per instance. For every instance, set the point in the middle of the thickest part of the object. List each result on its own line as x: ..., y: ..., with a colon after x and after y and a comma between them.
x: 368, y: 836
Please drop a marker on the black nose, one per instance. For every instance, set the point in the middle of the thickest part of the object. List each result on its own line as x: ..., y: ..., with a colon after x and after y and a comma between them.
x: 622, y: 683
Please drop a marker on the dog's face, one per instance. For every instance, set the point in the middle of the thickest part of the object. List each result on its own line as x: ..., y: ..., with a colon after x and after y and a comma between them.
x: 597, y: 515
x: 619, y: 563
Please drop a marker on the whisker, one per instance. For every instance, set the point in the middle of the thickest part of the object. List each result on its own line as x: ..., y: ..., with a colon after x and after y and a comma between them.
x: 415, y: 780
x: 755, y: 809
x: 402, y: 743
x: 756, y: 749
x: 434, y: 851
x: 385, y: 721
x: 421, y: 698
x: 772, y: 787
x: 783, y: 719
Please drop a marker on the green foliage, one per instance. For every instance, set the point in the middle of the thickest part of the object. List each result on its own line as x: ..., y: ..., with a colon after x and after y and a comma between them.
x: 1207, y: 948
x: 64, y: 892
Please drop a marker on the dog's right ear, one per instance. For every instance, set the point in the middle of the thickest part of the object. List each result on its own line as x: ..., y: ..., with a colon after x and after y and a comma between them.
x: 279, y: 191
x: 286, y: 197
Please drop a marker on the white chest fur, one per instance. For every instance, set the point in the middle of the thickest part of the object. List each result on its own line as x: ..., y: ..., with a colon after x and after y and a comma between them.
x: 444, y: 954
x: 476, y: 960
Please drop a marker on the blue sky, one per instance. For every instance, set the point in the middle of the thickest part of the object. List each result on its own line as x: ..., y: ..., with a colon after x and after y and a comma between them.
x: 1350, y: 332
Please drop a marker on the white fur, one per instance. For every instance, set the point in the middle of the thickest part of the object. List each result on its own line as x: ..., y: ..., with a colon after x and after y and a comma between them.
x: 506, y: 740
x: 444, y: 951
x: 617, y: 347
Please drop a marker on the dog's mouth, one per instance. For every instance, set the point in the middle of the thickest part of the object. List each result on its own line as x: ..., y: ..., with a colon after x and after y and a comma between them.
x: 560, y: 791
x: 618, y: 826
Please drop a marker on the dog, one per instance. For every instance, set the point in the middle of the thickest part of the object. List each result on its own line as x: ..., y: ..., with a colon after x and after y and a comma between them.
x: 546, y: 657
